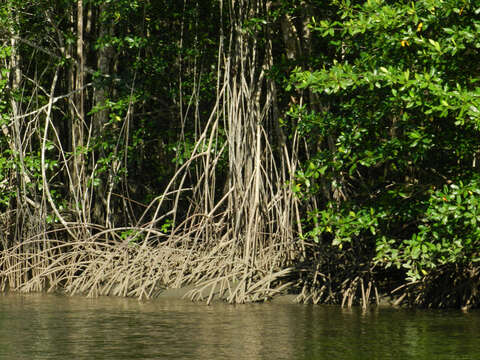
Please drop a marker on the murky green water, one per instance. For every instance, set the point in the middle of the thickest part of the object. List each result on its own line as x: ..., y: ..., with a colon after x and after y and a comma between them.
x: 55, y: 327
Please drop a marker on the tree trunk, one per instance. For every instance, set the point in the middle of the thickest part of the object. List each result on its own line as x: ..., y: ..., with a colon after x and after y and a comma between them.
x: 100, y: 118
x: 78, y: 120
x: 15, y: 139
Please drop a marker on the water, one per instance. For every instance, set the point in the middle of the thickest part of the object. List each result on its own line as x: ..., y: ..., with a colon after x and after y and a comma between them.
x: 55, y: 327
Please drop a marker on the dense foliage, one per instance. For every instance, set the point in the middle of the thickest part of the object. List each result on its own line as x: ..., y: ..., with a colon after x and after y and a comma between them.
x: 396, y: 134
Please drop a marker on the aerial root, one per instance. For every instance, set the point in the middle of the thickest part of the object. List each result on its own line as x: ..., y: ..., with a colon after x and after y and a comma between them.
x: 96, y: 268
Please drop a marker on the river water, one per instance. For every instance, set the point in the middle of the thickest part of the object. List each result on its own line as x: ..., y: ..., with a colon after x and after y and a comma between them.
x: 59, y: 327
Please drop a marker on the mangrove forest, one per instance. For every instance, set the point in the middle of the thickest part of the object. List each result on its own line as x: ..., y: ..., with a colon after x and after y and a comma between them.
x: 242, y: 149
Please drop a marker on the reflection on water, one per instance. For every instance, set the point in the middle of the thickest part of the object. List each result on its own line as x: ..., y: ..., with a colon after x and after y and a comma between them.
x: 55, y: 327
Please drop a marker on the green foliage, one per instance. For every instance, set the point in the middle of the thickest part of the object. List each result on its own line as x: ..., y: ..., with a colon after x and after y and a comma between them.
x: 344, y: 227
x: 7, y: 191
x: 396, y: 114
x: 134, y: 237
x: 166, y: 226
x: 448, y: 233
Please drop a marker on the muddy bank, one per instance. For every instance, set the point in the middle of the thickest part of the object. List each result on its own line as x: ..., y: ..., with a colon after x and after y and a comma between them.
x: 203, y: 293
